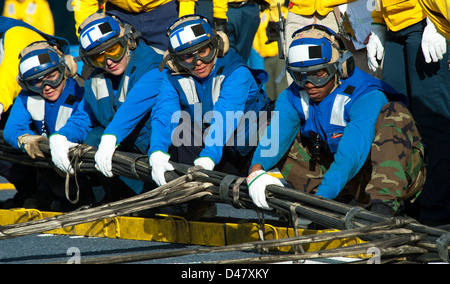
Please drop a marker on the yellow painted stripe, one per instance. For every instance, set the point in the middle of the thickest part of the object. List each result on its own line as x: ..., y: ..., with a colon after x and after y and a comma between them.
x: 173, y: 229
x: 277, y: 175
x: 6, y: 186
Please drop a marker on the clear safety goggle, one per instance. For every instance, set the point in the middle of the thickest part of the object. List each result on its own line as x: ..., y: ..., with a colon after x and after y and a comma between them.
x: 115, y: 52
x: 313, y: 75
x: 206, y: 54
x: 37, y: 84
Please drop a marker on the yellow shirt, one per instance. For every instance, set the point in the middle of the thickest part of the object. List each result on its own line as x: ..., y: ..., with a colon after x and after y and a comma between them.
x: 308, y: 8
x: 438, y: 11
x: 398, y: 14
x: 259, y: 43
x: 34, y: 12
x: 14, y: 40
x: 84, y: 8
x: 220, y: 8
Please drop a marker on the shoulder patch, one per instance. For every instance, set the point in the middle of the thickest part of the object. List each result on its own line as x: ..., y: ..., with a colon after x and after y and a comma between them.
x: 349, y: 90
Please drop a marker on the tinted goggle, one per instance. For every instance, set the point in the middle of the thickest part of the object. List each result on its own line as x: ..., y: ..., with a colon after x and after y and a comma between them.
x: 114, y: 52
x: 303, y: 75
x: 188, y: 60
x: 37, y: 84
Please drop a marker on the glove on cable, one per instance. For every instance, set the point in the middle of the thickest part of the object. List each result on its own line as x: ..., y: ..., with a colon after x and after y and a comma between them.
x: 104, y: 154
x: 205, y: 162
x: 30, y: 144
x: 159, y: 161
x: 59, y: 148
x: 257, y: 183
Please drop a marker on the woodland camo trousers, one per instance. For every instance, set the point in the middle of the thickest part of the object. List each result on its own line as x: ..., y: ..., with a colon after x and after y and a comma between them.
x: 394, y: 171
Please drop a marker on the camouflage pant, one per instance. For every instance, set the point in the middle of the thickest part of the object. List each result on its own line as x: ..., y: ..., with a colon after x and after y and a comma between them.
x: 394, y: 170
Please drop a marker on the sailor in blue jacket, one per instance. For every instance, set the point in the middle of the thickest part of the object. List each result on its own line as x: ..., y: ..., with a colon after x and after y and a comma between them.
x: 119, y: 95
x: 334, y: 108
x: 206, y: 97
x: 49, y: 96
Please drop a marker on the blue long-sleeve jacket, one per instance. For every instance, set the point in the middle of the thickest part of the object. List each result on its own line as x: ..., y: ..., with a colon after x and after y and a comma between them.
x: 32, y: 114
x: 357, y: 114
x: 123, y: 111
x: 231, y: 88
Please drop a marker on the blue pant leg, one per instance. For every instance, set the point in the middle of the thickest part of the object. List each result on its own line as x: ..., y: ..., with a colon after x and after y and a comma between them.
x: 430, y: 103
x: 152, y: 24
x: 428, y: 89
x: 205, y: 8
x: 242, y: 25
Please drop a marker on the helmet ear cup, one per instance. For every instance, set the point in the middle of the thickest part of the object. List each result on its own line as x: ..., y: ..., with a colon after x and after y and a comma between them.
x: 346, y: 64
x: 21, y: 83
x: 172, y: 64
x: 71, y: 66
x: 223, y: 43
x: 133, y: 37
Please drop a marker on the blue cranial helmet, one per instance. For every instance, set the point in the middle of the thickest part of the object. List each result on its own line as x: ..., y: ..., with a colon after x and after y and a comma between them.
x: 192, y: 38
x: 40, y: 59
x: 100, y: 31
x: 316, y: 47
x: 96, y: 30
x: 189, y: 32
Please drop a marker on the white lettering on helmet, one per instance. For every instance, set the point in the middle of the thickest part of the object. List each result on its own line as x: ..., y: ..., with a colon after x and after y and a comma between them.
x: 185, y: 35
x: 93, y: 34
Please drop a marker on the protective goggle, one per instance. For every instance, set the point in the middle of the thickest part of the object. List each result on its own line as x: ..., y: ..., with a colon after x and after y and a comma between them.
x: 188, y: 60
x: 313, y: 74
x: 115, y: 52
x: 37, y: 84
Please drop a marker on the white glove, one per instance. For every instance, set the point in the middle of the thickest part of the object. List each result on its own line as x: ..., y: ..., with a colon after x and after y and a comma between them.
x: 159, y: 161
x: 1, y: 110
x: 59, y: 148
x: 206, y: 162
x: 257, y: 182
x: 375, y: 46
x: 434, y: 45
x: 103, y: 157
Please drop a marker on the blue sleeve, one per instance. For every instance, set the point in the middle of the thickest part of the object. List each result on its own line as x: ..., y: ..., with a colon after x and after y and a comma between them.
x: 18, y: 122
x: 140, y: 100
x: 167, y: 104
x: 277, y: 140
x: 233, y: 97
x: 354, y: 146
x: 79, y: 123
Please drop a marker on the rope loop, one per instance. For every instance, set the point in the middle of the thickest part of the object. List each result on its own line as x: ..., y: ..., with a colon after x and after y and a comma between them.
x: 350, y: 217
x: 77, y: 152
x: 442, y: 246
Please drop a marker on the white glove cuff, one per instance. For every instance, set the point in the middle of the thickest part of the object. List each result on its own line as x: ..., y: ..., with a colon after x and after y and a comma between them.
x: 430, y: 24
x: 251, y: 177
x: 206, y: 162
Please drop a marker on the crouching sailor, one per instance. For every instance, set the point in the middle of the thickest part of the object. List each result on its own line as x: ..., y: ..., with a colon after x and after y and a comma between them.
x: 210, y: 103
x: 115, y: 110
x: 352, y: 135
x: 48, y: 98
